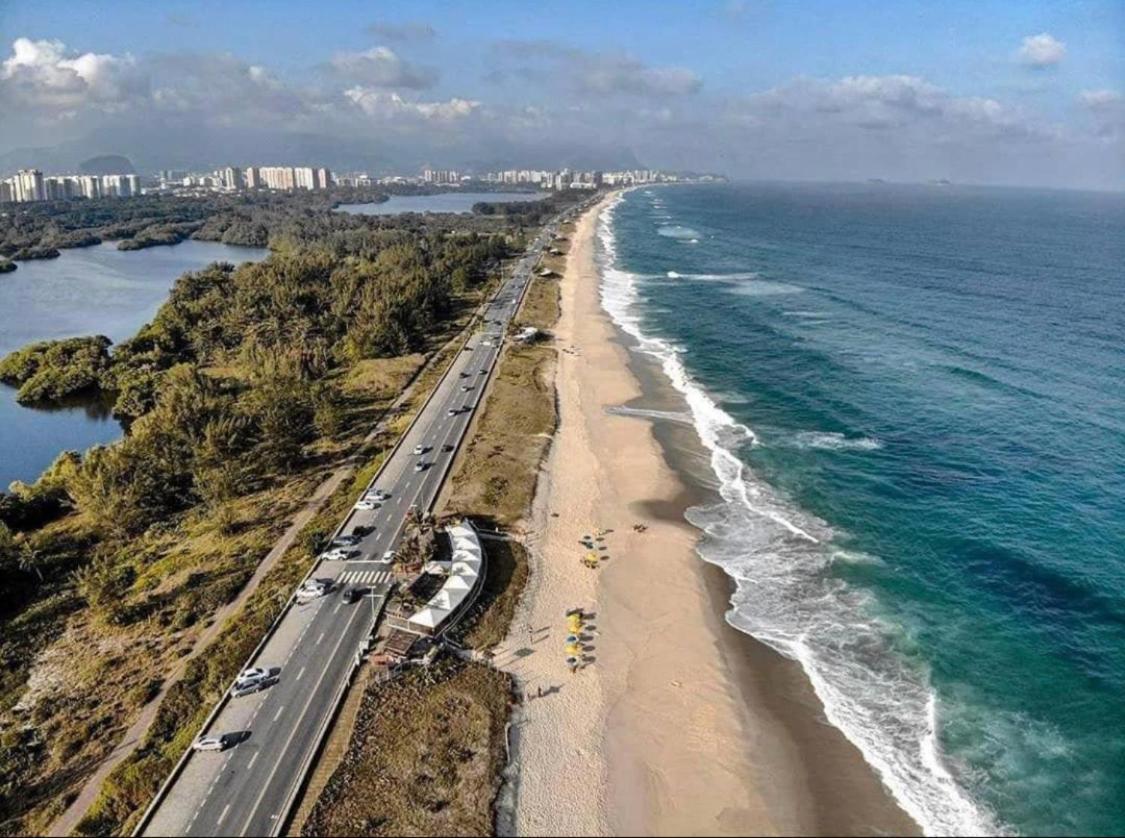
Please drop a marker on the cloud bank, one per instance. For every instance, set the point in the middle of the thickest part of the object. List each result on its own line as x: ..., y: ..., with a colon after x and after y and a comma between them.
x: 534, y: 99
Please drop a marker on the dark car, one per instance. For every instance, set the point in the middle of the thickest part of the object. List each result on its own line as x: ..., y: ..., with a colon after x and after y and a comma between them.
x: 354, y: 593
x: 447, y: 448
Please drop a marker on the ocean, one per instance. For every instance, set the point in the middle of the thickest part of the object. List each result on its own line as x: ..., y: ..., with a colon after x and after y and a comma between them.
x: 913, y: 401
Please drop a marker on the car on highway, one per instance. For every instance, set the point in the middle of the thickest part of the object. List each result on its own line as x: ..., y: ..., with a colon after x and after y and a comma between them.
x: 464, y: 375
x: 219, y: 742
x: 345, y: 540
x: 483, y: 372
x: 420, y: 449
x: 421, y: 465
x: 366, y: 504
x: 339, y: 554
x: 389, y: 556
x: 466, y: 388
x: 354, y: 593
x: 447, y: 448
x: 379, y: 494
x: 452, y: 411
x: 255, y: 679
x: 313, y: 589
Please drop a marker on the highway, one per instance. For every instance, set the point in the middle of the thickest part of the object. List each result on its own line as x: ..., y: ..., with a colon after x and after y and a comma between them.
x: 248, y: 788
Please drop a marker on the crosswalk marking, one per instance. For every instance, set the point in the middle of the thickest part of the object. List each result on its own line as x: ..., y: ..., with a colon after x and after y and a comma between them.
x: 366, y: 577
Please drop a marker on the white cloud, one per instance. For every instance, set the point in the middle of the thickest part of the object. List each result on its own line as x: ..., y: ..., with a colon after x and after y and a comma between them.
x: 1042, y: 50
x: 385, y: 105
x: 1107, y: 113
x: 1096, y: 99
x: 381, y: 67
x: 902, y: 105
x: 41, y: 75
x: 602, y: 74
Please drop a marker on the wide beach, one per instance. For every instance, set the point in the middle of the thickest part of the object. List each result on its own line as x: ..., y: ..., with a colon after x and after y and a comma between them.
x: 678, y: 724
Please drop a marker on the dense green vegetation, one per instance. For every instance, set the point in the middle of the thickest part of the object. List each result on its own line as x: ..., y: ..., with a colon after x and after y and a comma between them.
x: 246, y: 385
x: 52, y: 370
x: 39, y: 230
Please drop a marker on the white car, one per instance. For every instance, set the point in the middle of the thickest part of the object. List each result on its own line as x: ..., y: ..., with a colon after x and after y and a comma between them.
x: 254, y: 680
x: 254, y: 673
x: 313, y: 589
x: 420, y: 449
x: 218, y: 742
x: 452, y: 411
x: 366, y: 504
x: 421, y: 465
x: 389, y: 556
x: 379, y: 494
x: 339, y: 554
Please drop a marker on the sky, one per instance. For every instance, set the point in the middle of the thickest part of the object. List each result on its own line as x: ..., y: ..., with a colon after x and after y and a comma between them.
x: 1015, y: 92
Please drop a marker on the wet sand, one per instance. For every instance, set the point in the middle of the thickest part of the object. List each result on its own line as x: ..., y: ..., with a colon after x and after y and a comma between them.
x: 678, y: 723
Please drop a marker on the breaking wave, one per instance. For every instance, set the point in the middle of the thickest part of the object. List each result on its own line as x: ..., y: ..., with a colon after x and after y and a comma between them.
x: 779, y: 557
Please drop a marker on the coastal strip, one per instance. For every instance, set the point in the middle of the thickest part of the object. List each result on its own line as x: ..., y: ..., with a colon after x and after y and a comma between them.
x: 676, y: 723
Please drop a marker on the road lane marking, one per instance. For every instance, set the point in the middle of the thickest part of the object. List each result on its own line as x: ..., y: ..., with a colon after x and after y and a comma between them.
x: 319, y: 639
x: 298, y: 725
x: 299, y: 674
x: 277, y: 715
x: 224, y: 814
x: 253, y: 759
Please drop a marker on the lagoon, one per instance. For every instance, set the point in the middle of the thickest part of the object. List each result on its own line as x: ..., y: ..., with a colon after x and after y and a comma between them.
x: 459, y: 202
x: 85, y: 291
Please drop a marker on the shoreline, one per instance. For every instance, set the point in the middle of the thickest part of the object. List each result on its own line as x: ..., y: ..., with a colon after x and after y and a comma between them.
x: 681, y: 723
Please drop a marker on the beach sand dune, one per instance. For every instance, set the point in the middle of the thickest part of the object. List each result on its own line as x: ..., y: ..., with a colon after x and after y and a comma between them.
x: 676, y: 724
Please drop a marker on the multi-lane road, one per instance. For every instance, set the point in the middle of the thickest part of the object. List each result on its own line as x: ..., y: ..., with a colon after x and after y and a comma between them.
x: 248, y: 789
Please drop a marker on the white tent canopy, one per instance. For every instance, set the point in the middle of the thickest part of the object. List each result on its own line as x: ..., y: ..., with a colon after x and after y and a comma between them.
x: 464, y: 573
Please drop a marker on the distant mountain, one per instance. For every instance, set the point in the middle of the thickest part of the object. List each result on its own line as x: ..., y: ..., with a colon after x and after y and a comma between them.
x: 107, y: 164
x: 149, y: 148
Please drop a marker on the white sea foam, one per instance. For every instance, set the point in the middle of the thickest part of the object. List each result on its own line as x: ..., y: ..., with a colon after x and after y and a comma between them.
x: 779, y: 557
x: 765, y: 288
x: 677, y: 231
x: 731, y: 277
x: 832, y: 441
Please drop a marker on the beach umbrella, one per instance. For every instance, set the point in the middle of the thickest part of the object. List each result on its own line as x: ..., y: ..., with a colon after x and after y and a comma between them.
x: 573, y: 649
x: 572, y: 638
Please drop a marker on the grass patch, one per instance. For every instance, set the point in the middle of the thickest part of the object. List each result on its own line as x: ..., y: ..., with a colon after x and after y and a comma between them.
x: 492, y: 614
x: 494, y: 478
x: 540, y: 305
x: 425, y: 757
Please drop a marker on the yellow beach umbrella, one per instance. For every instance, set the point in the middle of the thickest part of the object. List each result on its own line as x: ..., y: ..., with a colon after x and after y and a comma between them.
x: 573, y: 650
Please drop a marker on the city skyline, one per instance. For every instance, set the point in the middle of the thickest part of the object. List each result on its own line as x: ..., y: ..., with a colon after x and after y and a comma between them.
x: 1008, y: 93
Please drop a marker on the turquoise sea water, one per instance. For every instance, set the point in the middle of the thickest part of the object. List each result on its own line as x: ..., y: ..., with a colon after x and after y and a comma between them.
x: 914, y: 403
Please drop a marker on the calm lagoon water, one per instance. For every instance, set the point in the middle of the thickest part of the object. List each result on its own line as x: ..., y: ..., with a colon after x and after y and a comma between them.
x: 86, y: 291
x: 442, y: 202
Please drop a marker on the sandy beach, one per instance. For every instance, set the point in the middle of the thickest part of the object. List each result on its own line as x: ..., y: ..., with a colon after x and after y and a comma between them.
x: 678, y: 724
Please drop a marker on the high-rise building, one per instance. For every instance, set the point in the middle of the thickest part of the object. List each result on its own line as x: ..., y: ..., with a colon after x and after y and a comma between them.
x: 304, y: 177
x: 323, y: 178
x: 29, y: 185
x: 232, y: 177
x: 253, y: 178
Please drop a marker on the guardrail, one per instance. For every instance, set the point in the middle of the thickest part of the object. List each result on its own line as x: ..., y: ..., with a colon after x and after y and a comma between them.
x: 319, y: 739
